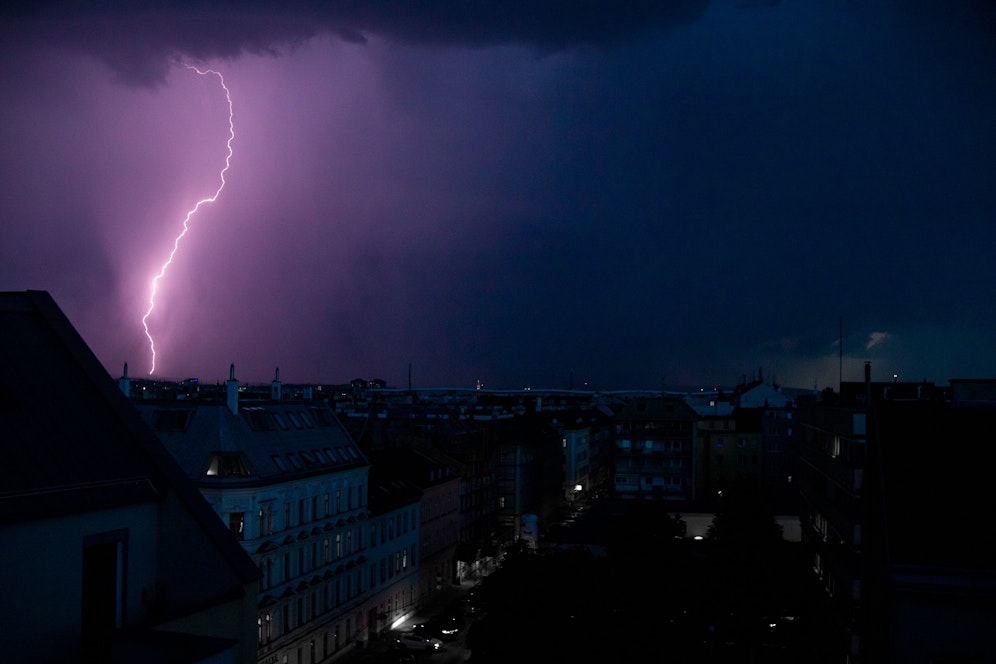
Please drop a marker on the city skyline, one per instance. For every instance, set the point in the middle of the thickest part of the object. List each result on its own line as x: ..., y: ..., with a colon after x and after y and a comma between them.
x: 616, y: 195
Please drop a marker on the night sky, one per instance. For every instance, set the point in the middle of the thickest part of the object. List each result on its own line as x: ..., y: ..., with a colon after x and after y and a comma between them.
x: 520, y: 193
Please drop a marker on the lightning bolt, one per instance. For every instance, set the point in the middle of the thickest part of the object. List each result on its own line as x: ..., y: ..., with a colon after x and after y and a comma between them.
x: 191, y: 212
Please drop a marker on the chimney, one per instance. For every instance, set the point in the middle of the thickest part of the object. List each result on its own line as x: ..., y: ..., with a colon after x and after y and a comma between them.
x: 275, y: 386
x: 232, y: 391
x: 868, y: 383
x: 308, y: 394
x: 124, y: 382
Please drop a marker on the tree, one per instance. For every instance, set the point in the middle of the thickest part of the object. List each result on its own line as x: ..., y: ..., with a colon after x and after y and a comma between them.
x: 743, y: 520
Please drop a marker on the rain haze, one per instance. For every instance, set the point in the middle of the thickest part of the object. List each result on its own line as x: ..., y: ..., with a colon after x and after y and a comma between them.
x: 615, y: 195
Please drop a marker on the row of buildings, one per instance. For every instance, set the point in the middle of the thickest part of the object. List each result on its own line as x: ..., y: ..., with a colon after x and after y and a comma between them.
x: 285, y: 523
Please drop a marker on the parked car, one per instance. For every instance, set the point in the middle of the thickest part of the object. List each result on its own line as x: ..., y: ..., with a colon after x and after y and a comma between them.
x: 445, y: 626
x: 417, y: 641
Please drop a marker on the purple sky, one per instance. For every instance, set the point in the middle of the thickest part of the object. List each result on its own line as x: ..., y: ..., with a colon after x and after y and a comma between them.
x: 504, y: 194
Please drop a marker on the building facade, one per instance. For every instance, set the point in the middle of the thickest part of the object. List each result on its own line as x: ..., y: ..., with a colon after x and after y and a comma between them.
x: 292, y: 487
x: 654, y: 451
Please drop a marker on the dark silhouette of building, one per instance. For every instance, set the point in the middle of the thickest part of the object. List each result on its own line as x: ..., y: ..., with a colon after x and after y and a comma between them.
x: 654, y: 455
x: 895, y: 521
x: 108, y: 553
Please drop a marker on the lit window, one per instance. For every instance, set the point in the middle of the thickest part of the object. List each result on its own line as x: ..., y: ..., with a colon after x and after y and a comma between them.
x: 228, y: 465
x: 236, y: 524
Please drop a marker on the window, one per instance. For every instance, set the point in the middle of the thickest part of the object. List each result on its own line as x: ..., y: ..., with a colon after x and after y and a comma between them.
x: 103, y: 591
x: 236, y: 524
x: 321, y: 416
x: 228, y: 465
x: 327, y: 504
x: 265, y: 628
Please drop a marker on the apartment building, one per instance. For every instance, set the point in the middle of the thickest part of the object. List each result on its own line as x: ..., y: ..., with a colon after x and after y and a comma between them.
x: 108, y: 552
x: 893, y: 518
x: 439, y: 511
x: 292, y: 488
x: 654, y: 453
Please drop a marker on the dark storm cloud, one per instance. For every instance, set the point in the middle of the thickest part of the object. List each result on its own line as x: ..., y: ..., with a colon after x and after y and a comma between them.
x: 136, y: 38
x: 690, y: 194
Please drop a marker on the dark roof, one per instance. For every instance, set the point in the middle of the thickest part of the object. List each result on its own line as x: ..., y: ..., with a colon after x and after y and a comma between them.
x: 272, y: 440
x: 410, y: 465
x: 657, y: 409
x: 69, y: 445
x: 390, y: 490
x: 72, y: 441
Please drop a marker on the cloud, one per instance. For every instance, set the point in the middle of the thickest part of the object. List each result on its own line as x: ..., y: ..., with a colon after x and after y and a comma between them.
x: 137, y: 39
x: 877, y: 339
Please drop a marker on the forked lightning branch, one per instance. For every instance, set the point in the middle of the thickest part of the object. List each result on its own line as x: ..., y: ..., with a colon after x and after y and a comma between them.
x: 190, y: 213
